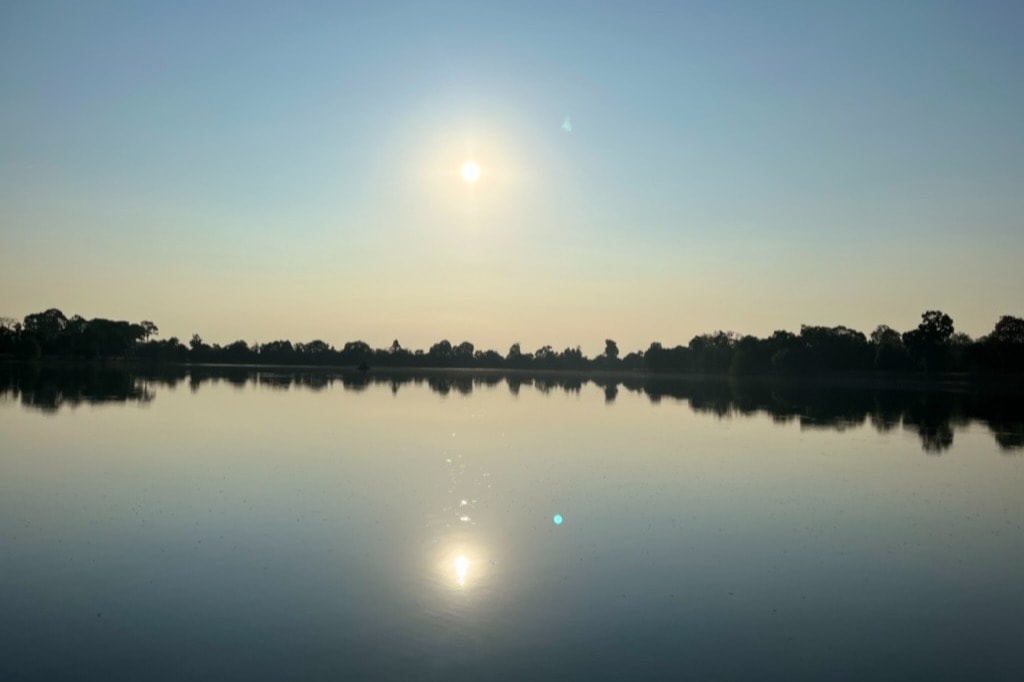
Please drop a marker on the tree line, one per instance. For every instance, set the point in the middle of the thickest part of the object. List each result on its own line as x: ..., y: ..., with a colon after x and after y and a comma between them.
x: 933, y: 346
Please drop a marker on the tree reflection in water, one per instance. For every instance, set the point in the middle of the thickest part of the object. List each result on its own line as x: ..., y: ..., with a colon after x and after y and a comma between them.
x: 933, y: 412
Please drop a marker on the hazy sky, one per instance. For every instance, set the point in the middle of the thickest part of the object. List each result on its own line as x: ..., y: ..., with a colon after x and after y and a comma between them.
x: 286, y: 170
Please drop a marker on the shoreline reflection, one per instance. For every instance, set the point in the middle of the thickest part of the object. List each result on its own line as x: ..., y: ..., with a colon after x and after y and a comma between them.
x: 934, y: 412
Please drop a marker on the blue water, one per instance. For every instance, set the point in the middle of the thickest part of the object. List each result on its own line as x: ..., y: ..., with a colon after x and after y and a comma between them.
x: 286, y: 525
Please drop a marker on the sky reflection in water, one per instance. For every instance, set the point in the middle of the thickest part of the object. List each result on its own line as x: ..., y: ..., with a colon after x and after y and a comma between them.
x: 288, y: 524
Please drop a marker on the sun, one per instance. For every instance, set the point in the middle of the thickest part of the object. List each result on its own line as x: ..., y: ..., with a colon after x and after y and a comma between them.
x: 470, y: 171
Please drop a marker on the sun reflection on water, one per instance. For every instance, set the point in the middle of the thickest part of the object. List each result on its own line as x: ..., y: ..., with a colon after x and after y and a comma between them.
x: 461, y: 569
x: 463, y: 566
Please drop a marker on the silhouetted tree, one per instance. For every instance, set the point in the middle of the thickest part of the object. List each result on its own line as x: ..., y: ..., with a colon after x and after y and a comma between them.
x: 41, y: 332
x: 660, y: 359
x: 928, y: 344
x: 884, y: 334
x: 441, y: 353
x: 712, y: 352
x: 358, y: 353
x: 516, y: 359
x: 633, y: 361
x: 933, y: 346
x: 10, y: 331
x: 314, y: 349
x: 171, y: 350
x: 1003, y: 349
x: 462, y: 354
x: 277, y: 352
x: 572, y: 358
x: 836, y: 348
x: 46, y: 324
x: 1008, y: 330
x: 545, y: 357
x: 890, y: 352
x: 746, y: 356
x: 237, y: 352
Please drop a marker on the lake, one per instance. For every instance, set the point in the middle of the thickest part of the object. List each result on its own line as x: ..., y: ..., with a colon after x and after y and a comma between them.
x: 233, y: 523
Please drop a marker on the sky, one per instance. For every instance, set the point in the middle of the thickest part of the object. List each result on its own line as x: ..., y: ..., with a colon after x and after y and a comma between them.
x: 261, y: 171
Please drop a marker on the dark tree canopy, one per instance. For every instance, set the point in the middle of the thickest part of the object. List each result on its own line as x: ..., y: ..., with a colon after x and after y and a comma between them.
x: 928, y: 344
x: 1008, y: 330
x: 933, y: 345
x: 936, y: 327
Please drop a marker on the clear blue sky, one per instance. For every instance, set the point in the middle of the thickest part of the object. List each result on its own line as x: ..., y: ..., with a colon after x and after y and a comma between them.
x: 287, y: 170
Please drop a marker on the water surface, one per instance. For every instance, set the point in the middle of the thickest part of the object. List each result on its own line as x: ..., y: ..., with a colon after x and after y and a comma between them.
x: 227, y: 523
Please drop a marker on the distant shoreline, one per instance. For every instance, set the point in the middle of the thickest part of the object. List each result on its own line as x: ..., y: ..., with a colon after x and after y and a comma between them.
x: 932, y: 351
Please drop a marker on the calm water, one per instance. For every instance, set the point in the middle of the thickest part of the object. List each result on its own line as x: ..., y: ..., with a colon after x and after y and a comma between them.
x: 234, y: 524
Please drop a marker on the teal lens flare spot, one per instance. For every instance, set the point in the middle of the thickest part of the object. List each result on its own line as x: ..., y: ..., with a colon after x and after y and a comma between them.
x: 557, y: 519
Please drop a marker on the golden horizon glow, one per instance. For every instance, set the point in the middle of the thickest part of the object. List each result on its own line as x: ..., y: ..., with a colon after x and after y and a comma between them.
x: 470, y: 171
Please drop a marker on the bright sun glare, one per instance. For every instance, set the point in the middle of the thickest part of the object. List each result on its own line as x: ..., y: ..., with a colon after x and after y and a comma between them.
x: 461, y: 568
x: 470, y: 171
